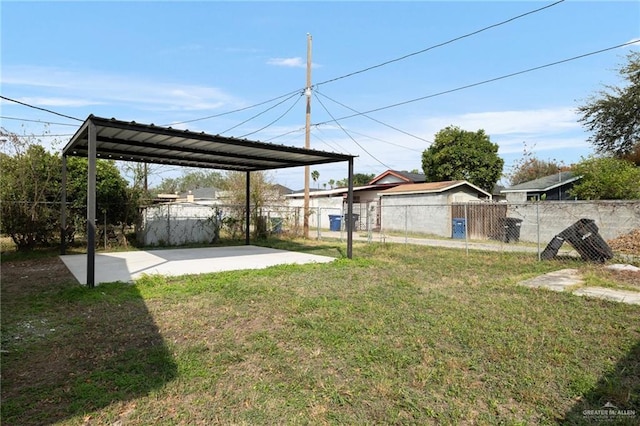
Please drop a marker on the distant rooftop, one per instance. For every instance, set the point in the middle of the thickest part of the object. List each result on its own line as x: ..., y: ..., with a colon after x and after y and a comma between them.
x: 545, y: 183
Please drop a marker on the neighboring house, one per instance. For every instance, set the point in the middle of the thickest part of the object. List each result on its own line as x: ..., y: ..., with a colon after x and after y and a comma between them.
x: 554, y: 187
x: 331, y: 201
x: 205, y: 196
x: 395, y: 177
x: 426, y: 207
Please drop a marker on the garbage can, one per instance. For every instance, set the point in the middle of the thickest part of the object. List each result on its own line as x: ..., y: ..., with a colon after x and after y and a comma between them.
x: 355, y: 218
x: 511, y: 227
x: 459, y: 228
x: 335, y: 222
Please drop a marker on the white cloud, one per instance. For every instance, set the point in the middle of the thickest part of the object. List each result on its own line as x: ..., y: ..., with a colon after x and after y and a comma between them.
x: 58, y: 101
x: 296, y: 62
x: 496, y: 123
x: 74, y: 89
x: 634, y: 42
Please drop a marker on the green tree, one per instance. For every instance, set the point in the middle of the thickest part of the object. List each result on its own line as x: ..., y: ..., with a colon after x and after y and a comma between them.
x: 612, y: 114
x: 262, y: 195
x: 462, y: 155
x: 29, y: 192
x: 112, y: 194
x: 359, y: 179
x: 606, y: 178
x: 315, y: 175
x: 191, y: 180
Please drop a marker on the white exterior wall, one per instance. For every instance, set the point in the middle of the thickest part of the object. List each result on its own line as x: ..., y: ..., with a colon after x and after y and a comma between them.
x: 177, y: 224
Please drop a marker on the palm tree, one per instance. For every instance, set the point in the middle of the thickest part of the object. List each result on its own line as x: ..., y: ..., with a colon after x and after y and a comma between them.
x: 315, y: 175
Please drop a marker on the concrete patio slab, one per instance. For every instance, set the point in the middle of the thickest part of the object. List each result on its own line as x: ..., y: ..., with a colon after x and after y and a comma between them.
x: 631, y: 297
x: 131, y: 265
x: 557, y: 281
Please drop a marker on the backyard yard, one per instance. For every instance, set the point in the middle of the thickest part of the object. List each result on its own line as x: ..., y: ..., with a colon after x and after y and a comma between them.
x: 401, y: 334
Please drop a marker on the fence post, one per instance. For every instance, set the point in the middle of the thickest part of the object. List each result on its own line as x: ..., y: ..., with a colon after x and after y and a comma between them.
x: 466, y: 228
x: 168, y: 224
x: 406, y: 224
x: 538, y: 228
x: 318, y: 219
x: 369, y: 217
x: 104, y: 211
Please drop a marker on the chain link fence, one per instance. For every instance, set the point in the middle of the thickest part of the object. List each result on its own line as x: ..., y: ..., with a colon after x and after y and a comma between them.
x: 595, y: 231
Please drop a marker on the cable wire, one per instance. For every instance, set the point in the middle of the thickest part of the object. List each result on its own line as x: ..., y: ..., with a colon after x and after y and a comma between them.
x: 39, y: 108
x: 259, y: 114
x: 491, y: 80
x: 373, y: 119
x: 37, y: 121
x: 347, y: 133
x: 274, y: 121
x: 234, y: 111
x: 440, y: 44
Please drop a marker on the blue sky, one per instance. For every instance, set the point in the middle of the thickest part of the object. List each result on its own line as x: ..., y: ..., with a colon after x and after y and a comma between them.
x: 170, y: 62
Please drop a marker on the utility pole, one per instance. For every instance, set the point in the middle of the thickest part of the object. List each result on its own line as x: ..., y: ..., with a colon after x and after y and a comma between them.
x: 307, y: 134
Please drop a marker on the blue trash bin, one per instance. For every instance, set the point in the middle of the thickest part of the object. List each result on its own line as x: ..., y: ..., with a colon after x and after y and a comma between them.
x: 458, y: 228
x: 335, y: 222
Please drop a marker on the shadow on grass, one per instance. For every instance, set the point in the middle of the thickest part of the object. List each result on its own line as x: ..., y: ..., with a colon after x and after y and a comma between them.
x: 323, y: 248
x: 616, y: 397
x: 69, y: 350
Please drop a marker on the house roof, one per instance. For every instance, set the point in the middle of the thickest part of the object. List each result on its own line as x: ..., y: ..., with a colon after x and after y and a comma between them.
x: 403, y: 176
x: 330, y: 192
x: 431, y: 187
x: 131, y: 141
x: 544, y: 184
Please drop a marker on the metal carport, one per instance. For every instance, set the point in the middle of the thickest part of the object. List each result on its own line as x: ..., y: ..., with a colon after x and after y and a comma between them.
x: 113, y: 139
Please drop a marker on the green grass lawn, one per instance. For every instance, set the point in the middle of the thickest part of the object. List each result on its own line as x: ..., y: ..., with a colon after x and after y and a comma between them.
x: 401, y: 334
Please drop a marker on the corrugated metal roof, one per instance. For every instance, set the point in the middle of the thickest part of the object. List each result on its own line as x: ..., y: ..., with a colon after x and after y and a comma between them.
x: 131, y: 141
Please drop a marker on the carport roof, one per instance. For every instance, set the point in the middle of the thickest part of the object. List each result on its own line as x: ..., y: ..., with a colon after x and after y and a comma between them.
x: 131, y: 141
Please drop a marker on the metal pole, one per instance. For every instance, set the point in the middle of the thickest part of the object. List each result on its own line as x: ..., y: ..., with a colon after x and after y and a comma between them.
x: 406, y: 226
x: 63, y: 208
x: 105, y: 229
x: 350, y: 211
x: 307, y: 137
x: 91, y: 206
x: 247, y: 194
x: 466, y: 227
x: 538, y: 226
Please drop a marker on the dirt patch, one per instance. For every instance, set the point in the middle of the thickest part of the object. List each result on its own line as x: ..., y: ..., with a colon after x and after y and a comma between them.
x: 28, y: 277
x: 628, y: 243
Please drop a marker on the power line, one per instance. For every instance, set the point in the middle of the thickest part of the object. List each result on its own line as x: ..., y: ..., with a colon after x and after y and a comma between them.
x: 378, y: 65
x: 440, y: 44
x: 274, y: 121
x: 377, y: 121
x: 347, y: 133
x: 491, y: 80
x: 37, y: 121
x: 330, y: 145
x: 39, y: 108
x: 260, y: 113
x: 387, y: 142
x: 234, y: 111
